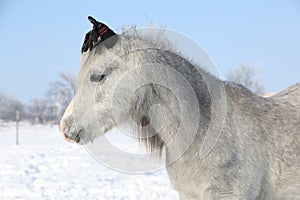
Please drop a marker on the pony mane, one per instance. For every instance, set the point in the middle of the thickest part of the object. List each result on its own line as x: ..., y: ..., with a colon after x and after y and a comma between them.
x: 143, y: 131
x: 154, y: 36
x: 152, y: 142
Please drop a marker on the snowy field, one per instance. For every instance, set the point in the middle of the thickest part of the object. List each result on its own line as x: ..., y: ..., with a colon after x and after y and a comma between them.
x: 44, y: 166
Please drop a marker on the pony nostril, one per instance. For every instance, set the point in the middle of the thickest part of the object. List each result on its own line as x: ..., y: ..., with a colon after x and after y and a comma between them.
x: 77, y: 139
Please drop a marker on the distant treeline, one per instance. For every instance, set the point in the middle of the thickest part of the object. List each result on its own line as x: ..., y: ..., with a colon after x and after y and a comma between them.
x: 41, y: 110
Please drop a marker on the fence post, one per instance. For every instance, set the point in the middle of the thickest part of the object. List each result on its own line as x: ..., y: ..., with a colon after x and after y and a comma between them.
x: 17, y: 126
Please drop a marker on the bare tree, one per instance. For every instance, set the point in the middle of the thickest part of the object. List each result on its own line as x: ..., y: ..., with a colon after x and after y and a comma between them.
x: 249, y: 77
x: 42, y: 110
x: 37, y: 110
x: 59, y: 95
x: 9, y: 106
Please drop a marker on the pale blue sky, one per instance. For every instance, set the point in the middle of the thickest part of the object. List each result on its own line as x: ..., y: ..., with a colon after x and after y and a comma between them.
x: 40, y: 38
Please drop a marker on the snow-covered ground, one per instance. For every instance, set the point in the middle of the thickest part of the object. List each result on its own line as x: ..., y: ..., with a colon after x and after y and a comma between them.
x: 44, y: 166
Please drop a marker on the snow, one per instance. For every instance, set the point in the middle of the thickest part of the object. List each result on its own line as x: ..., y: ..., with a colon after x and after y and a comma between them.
x: 44, y: 166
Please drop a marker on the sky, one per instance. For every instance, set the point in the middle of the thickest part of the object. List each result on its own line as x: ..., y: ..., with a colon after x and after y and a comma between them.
x: 39, y: 39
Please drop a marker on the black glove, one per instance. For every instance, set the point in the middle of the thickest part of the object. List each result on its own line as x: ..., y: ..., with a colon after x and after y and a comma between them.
x: 90, y: 38
x: 101, y: 31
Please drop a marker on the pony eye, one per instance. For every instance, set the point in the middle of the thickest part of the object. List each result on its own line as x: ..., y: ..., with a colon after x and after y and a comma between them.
x: 97, y: 77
